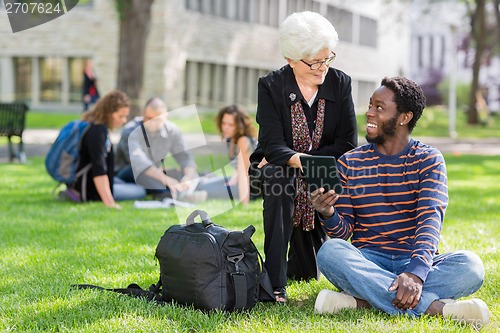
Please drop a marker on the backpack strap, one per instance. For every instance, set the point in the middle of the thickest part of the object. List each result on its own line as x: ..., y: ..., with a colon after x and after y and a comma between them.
x: 78, y: 197
x: 145, y: 135
x: 239, y: 282
x: 84, y: 173
x: 240, y: 290
x: 205, y: 219
x: 85, y: 170
x: 153, y: 294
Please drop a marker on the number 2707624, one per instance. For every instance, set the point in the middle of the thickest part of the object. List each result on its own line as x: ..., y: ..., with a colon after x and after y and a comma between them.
x: 32, y: 8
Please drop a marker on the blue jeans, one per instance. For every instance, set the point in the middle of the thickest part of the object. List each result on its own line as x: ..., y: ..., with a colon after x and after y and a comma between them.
x: 367, y: 274
x: 217, y: 189
x: 127, y: 191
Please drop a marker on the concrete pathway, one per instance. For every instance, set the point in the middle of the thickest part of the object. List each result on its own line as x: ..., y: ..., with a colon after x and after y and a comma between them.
x: 37, y: 142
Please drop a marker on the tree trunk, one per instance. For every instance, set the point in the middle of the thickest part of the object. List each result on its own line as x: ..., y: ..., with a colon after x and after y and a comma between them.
x: 478, y: 33
x: 135, y: 21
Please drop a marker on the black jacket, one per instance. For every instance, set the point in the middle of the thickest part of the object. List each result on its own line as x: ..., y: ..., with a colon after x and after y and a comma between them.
x: 275, y: 122
x: 97, y: 150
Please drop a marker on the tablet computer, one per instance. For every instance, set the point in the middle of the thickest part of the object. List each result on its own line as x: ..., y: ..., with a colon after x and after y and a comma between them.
x: 321, y: 171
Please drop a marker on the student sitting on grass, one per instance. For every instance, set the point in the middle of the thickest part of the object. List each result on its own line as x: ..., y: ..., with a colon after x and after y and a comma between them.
x: 393, y: 207
x: 136, y: 163
x: 110, y: 112
x: 236, y: 128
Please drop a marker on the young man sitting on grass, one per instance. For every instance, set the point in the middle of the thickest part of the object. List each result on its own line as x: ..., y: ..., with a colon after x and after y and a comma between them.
x: 393, y: 207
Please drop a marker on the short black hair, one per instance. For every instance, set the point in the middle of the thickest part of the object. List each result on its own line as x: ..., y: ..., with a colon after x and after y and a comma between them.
x: 408, y: 97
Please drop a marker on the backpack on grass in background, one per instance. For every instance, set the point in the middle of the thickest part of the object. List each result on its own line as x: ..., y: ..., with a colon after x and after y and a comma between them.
x: 63, y: 157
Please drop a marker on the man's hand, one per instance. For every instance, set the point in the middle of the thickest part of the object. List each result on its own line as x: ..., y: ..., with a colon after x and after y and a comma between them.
x: 323, y: 202
x: 409, y: 291
x: 174, y: 185
x: 189, y: 174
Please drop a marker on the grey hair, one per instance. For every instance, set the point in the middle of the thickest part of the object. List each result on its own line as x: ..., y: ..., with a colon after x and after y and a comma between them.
x: 304, y: 34
x: 156, y: 104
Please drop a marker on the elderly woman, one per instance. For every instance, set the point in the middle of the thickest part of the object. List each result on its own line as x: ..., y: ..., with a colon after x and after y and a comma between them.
x: 304, y: 107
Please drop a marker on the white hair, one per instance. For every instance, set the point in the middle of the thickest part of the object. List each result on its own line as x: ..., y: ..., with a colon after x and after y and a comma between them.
x: 304, y: 34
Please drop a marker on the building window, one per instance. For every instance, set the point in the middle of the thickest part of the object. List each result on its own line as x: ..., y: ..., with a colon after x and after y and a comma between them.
x: 368, y: 35
x: 51, y: 79
x: 218, y: 83
x: 75, y: 79
x: 254, y: 11
x: 365, y: 91
x: 195, y: 5
x: 431, y: 51
x: 293, y: 6
x: 215, y: 85
x: 420, y: 51
x: 342, y: 21
x: 274, y: 13
x: 244, y: 9
x: 22, y: 72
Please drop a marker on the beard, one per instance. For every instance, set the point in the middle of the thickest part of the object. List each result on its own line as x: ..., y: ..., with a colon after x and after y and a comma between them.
x: 388, y: 130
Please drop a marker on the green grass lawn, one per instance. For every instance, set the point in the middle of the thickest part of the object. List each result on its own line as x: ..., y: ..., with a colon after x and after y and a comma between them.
x: 40, y: 119
x: 52, y: 120
x: 46, y: 245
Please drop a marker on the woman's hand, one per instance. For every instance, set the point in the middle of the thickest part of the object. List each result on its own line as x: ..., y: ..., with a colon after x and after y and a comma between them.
x: 114, y: 205
x: 295, y: 162
x: 104, y: 189
x: 262, y: 163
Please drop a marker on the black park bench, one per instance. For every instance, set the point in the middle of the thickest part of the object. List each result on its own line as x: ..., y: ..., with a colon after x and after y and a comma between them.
x: 12, y: 123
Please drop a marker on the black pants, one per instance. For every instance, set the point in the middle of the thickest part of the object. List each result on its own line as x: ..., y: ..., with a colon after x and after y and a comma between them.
x: 278, y: 191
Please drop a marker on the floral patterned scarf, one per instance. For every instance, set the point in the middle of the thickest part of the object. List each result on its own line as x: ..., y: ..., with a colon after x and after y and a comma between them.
x: 304, y: 211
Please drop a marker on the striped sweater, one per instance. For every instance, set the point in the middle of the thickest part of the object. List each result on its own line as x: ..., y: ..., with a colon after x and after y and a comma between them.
x: 395, y: 204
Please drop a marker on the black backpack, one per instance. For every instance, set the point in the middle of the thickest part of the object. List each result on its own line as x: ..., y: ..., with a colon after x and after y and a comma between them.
x: 207, y: 266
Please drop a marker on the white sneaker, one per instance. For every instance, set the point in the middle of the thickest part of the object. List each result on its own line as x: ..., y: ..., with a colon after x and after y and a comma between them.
x: 472, y: 311
x: 329, y: 301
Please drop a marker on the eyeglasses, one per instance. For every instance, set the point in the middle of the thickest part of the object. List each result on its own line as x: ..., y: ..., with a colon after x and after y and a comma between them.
x: 316, y: 65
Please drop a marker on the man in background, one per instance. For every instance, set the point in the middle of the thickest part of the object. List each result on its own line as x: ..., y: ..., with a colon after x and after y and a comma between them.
x: 145, y: 142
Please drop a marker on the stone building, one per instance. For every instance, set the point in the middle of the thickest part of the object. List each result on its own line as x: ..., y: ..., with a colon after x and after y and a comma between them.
x: 204, y: 52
